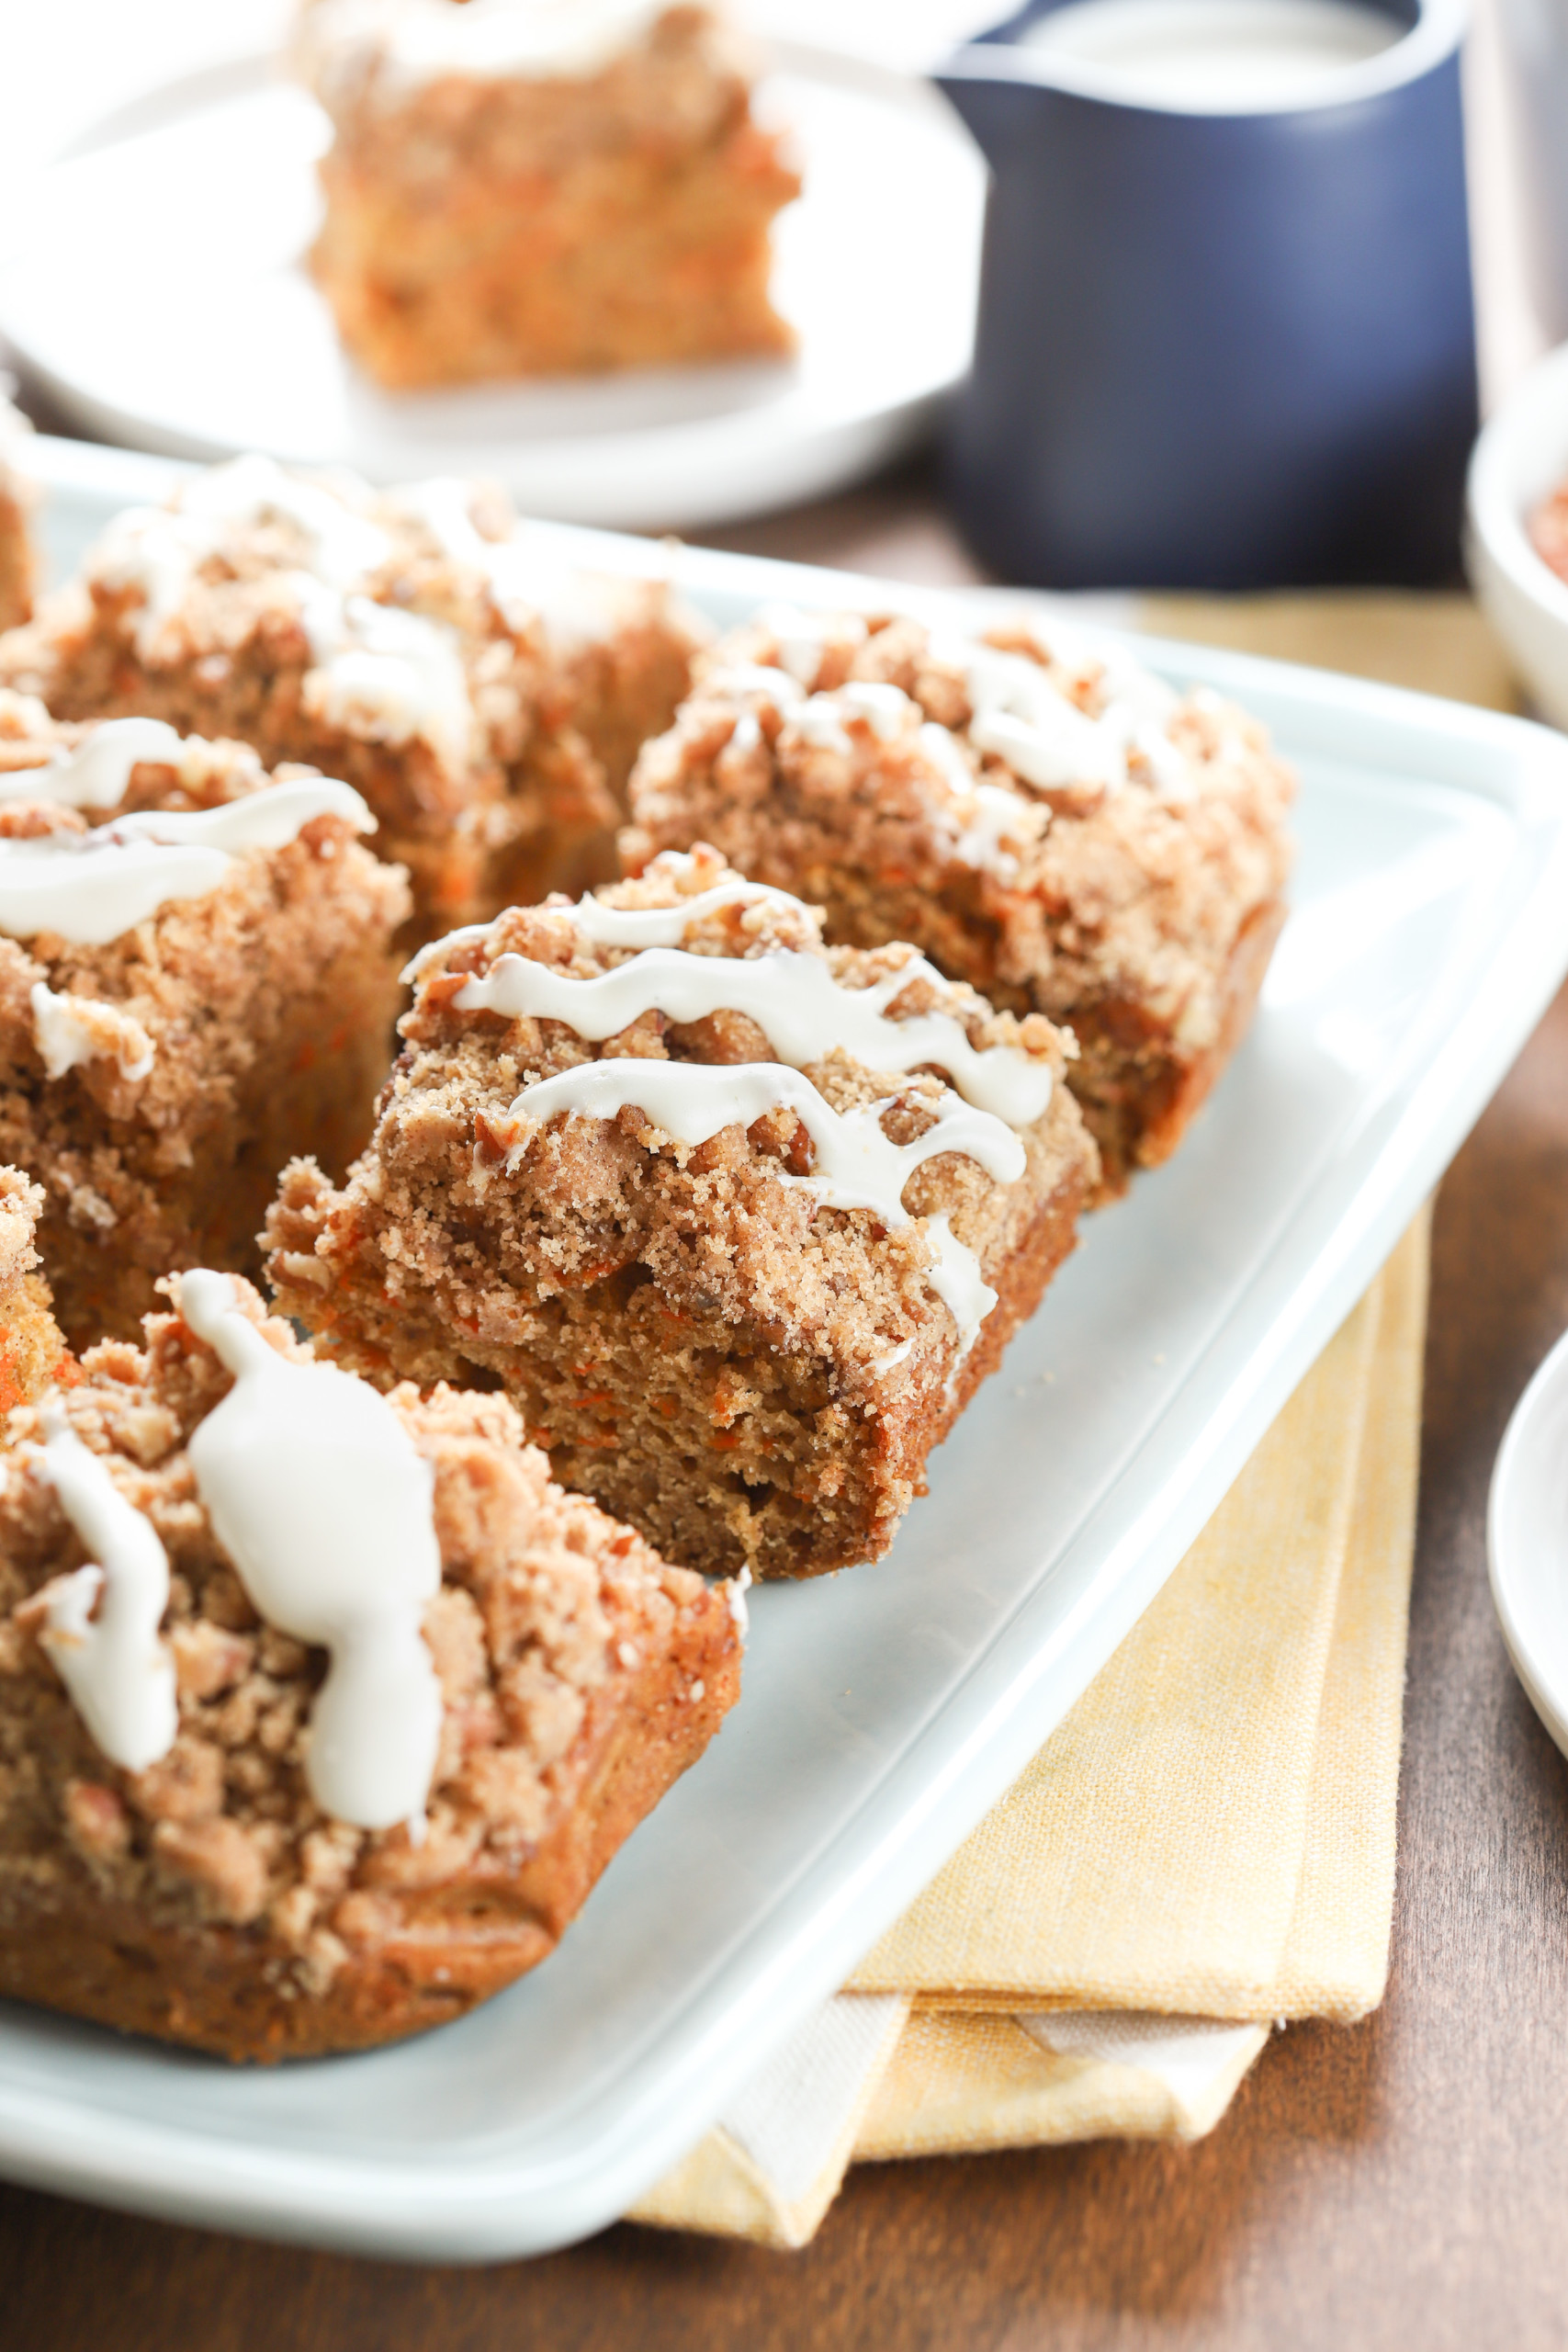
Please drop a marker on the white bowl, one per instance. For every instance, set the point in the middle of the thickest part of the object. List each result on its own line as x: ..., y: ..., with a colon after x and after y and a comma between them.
x: 1527, y: 1541
x: 1522, y: 457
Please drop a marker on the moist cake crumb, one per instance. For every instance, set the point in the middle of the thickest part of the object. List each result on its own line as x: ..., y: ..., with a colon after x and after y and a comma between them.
x: 698, y: 1194
x: 196, y: 981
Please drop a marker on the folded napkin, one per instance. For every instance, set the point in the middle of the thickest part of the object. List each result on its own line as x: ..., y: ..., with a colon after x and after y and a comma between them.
x: 1205, y: 1848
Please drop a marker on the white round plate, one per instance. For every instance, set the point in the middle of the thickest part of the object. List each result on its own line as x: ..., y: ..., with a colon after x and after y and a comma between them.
x: 1519, y: 459
x: 153, y: 283
x: 1527, y: 1541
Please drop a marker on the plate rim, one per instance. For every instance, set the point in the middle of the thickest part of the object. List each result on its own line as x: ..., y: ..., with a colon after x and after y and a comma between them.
x: 1545, y: 1681
x: 823, y: 450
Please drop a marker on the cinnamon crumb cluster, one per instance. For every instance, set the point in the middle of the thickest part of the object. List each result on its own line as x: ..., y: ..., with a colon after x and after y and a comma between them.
x: 484, y: 697
x: 841, y: 762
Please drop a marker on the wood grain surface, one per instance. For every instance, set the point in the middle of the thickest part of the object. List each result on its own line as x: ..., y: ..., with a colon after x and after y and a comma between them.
x: 1404, y: 2184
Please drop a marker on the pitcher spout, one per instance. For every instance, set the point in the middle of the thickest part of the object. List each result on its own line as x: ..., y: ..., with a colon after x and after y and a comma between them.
x: 997, y: 102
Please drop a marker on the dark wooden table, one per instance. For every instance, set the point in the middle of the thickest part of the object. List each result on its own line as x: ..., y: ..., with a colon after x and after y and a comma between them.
x: 1404, y: 2184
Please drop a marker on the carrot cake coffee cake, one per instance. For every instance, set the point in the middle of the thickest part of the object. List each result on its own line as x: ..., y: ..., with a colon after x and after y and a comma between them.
x: 1052, y: 825
x: 537, y: 187
x: 18, y: 497
x: 197, y: 980
x: 320, y: 1711
x: 484, y: 699
x: 739, y: 1222
x: 32, y: 1353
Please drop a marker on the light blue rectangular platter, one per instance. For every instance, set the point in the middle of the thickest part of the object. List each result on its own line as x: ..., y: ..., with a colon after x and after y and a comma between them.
x: 886, y: 1710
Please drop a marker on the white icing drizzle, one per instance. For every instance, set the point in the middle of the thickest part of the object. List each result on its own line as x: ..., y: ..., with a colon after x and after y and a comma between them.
x: 421, y: 40
x: 434, y: 950
x: 793, y: 998
x: 344, y: 544
x: 576, y: 609
x: 158, y: 550
x: 120, y: 1674
x: 96, y: 775
x: 990, y: 828
x: 735, y: 1591
x: 157, y: 553
x: 609, y: 926
x: 383, y: 672
x: 886, y: 710
x: 820, y: 723
x: 743, y: 678
x: 441, y: 506
x: 957, y: 1279
x: 320, y: 1500
x: 803, y: 636
x: 994, y: 827
x: 620, y: 926
x: 857, y: 1167
x: 67, y: 1033
x: 92, y: 888
x: 1022, y: 715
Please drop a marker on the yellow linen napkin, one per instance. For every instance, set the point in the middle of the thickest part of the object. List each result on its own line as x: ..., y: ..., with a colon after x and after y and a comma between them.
x: 1211, y: 1833
x: 1168, y: 1814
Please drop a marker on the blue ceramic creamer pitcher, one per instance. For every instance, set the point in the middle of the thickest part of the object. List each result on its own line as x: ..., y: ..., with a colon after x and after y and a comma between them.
x: 1221, y: 343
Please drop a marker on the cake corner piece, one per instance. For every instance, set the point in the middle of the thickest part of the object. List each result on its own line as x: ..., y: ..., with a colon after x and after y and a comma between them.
x: 203, y: 1840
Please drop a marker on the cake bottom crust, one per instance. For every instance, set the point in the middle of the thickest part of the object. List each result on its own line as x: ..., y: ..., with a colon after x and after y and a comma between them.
x: 235, y: 1991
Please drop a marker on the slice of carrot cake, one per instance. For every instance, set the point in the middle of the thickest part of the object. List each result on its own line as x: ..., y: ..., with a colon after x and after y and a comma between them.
x: 484, y: 699
x: 197, y: 980
x: 19, y: 498
x: 737, y: 1221
x: 320, y: 1711
x: 32, y: 1353
x: 1051, y: 823
x: 535, y: 188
